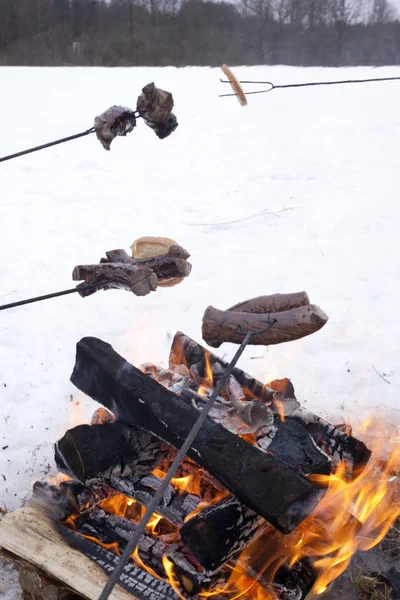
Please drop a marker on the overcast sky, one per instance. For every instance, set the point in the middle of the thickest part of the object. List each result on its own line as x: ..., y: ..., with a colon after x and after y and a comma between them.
x: 396, y: 3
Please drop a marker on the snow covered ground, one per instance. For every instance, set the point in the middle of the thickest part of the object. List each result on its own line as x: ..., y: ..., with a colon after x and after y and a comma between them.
x: 300, y: 190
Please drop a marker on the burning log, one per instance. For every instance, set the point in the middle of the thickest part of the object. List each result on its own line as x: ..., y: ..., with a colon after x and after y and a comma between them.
x: 133, y: 578
x: 221, y: 531
x: 333, y: 441
x: 185, y: 351
x: 113, y: 529
x: 59, y: 502
x: 271, y: 489
x: 120, y: 271
x: 227, y: 326
x: 108, y: 451
x: 28, y: 534
x: 121, y: 457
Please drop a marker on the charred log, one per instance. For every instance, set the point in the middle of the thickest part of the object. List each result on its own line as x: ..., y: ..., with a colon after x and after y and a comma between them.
x: 227, y: 326
x: 121, y: 457
x: 221, y: 531
x: 109, y: 450
x: 133, y: 579
x: 114, y: 529
x: 271, y: 489
x: 186, y: 351
x: 294, y: 583
x: 335, y: 442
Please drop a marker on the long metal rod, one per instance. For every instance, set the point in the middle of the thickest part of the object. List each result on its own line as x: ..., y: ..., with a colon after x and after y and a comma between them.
x: 89, y: 286
x: 140, y: 529
x: 48, y: 145
x: 310, y: 84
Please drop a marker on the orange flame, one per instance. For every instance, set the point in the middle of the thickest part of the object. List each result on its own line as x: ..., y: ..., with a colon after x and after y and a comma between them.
x: 279, y: 408
x: 57, y: 479
x: 353, y: 515
x: 208, y: 380
x: 135, y: 556
x: 117, y: 505
x: 174, y: 583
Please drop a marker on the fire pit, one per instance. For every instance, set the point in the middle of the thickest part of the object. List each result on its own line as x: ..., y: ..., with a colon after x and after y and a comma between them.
x: 270, y: 502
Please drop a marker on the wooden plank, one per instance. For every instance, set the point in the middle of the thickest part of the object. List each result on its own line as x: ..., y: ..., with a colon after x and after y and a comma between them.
x: 28, y: 534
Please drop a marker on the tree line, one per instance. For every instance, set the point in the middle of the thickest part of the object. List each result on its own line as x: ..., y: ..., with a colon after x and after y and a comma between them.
x: 198, y: 32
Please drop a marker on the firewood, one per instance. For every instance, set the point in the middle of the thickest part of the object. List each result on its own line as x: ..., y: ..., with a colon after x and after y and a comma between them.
x: 113, y: 449
x: 221, y: 531
x: 186, y: 351
x: 272, y: 304
x: 333, y: 441
x: 103, y: 455
x: 276, y: 492
x: 134, y: 579
x: 109, y: 529
x: 29, y: 535
x: 227, y: 326
x: 59, y: 502
x: 36, y: 586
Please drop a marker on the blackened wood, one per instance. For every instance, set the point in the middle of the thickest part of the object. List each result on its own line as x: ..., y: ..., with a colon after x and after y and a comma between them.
x: 335, y: 442
x: 175, y: 506
x: 70, y: 497
x: 110, y: 529
x: 53, y: 501
x: 108, y: 450
x: 272, y: 490
x: 122, y: 456
x: 221, y: 531
x: 292, y: 582
x: 192, y: 578
x: 133, y: 579
x: 186, y: 351
x: 271, y: 304
x: 225, y: 326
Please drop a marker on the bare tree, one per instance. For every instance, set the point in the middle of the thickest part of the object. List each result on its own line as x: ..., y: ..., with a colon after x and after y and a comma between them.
x: 382, y: 12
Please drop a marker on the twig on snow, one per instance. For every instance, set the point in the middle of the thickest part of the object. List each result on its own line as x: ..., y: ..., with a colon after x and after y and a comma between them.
x: 381, y: 376
x: 266, y: 211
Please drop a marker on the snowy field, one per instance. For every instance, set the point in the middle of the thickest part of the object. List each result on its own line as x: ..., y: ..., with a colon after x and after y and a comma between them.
x: 299, y: 190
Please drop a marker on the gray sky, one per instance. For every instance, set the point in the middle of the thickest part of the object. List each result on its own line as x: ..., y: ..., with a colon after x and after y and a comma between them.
x: 396, y: 3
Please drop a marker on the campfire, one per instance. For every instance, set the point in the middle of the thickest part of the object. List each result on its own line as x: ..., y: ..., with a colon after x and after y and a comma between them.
x: 270, y: 502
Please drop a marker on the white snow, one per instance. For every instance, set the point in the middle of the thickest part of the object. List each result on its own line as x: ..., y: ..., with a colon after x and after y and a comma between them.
x: 308, y: 181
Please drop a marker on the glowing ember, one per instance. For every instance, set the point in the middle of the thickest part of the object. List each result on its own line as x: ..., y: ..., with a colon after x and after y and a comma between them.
x: 117, y: 505
x: 352, y: 516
